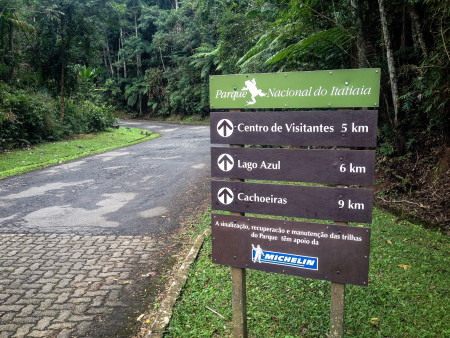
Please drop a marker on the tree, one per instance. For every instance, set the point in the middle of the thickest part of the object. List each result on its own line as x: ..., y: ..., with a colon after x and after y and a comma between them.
x: 66, y: 35
x: 155, y: 56
x: 303, y: 36
x: 13, y: 21
x: 390, y: 59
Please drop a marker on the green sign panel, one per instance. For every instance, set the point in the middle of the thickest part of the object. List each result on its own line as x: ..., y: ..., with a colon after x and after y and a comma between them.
x: 349, y: 88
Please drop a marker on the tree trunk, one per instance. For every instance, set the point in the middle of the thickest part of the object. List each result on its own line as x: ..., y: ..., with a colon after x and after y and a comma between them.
x: 63, y: 66
x: 138, y: 63
x: 390, y: 60
x: 161, y: 56
x: 124, y: 62
x: 105, y: 60
x: 106, y: 56
x: 118, y: 60
x: 12, y: 70
x: 4, y: 8
x: 360, y: 38
x: 417, y: 29
x: 62, y: 108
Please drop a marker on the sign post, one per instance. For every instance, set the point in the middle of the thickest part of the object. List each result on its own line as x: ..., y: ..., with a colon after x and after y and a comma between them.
x: 238, y: 275
x: 337, y: 310
x: 338, y: 253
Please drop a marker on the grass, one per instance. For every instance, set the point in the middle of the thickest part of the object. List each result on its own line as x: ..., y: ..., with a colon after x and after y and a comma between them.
x: 46, y: 154
x: 407, y: 294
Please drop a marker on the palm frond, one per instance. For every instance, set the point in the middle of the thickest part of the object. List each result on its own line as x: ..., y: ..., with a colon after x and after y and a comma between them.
x: 331, y: 43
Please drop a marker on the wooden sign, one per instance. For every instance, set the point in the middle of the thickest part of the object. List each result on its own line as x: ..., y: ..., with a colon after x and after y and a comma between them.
x: 327, y: 203
x: 322, y: 251
x: 336, y: 253
x: 316, y: 89
x: 352, y: 167
x: 350, y: 128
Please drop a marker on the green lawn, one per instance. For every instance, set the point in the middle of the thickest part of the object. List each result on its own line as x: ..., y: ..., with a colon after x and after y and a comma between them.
x: 407, y: 294
x: 47, y: 154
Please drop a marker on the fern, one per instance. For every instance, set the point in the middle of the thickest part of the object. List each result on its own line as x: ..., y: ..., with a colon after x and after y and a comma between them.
x: 328, y: 44
x: 22, y: 25
x: 204, y: 59
x: 260, y: 46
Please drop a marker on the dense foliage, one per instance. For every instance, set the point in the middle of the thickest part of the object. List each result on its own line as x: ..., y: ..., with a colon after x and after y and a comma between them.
x: 61, y: 58
x: 29, y: 117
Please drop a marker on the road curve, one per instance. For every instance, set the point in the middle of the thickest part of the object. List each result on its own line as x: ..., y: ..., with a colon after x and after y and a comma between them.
x: 84, y: 242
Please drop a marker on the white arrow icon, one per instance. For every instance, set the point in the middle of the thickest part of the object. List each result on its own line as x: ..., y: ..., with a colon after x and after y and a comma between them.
x: 225, y: 162
x: 225, y: 196
x: 225, y: 127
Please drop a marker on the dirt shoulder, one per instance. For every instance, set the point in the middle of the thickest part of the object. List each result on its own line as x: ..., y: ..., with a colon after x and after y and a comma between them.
x: 417, y: 186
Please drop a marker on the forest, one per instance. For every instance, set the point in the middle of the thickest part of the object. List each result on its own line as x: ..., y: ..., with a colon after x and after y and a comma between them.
x: 67, y: 65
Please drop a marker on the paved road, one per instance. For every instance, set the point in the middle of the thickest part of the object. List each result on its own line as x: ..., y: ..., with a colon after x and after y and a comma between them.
x: 83, y: 244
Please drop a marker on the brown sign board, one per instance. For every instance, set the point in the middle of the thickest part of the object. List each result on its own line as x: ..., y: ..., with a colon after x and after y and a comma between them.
x: 349, y: 128
x: 326, y: 203
x: 330, y: 252
x: 349, y: 167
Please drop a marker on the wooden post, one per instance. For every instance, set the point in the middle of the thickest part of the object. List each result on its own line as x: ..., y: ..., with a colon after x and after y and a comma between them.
x: 238, y: 282
x: 337, y: 306
x: 239, y: 296
x: 337, y: 310
x: 239, y: 299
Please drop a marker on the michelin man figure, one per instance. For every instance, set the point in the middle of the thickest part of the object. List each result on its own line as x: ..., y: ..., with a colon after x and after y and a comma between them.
x: 258, y: 253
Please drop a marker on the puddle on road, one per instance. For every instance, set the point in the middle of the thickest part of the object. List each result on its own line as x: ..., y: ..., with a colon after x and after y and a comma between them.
x: 154, y: 212
x: 199, y: 166
x: 9, y: 218
x: 166, y: 158
x: 42, y: 190
x: 110, y: 155
x: 60, y: 216
x: 72, y: 166
x: 114, y: 168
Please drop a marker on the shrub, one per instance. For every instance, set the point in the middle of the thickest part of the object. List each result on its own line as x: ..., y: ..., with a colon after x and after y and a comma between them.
x: 86, y: 117
x: 25, y: 117
x: 98, y: 117
x: 28, y: 117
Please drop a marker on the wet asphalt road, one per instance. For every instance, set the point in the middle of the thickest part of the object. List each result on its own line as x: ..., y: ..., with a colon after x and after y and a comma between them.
x: 125, y: 191
x: 82, y: 243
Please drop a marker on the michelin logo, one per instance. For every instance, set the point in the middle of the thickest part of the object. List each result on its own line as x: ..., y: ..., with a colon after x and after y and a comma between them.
x: 278, y: 258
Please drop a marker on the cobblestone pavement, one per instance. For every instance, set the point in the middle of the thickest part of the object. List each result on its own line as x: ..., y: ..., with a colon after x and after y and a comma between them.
x: 55, y: 285
x: 84, y: 246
